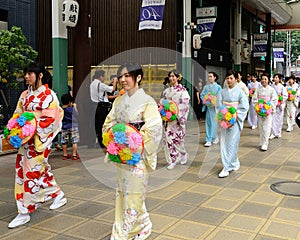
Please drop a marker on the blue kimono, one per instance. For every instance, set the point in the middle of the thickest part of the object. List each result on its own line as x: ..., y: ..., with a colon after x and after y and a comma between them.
x: 230, y: 137
x: 211, y: 125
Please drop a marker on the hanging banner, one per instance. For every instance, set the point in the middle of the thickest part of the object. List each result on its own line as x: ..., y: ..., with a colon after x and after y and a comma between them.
x: 260, y: 44
x: 151, y: 15
x: 278, y: 54
x: 205, y: 26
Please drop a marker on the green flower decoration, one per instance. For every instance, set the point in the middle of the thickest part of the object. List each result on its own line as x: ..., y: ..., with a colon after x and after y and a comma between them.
x: 260, y: 101
x: 28, y: 115
x: 6, y: 132
x: 167, y: 106
x: 114, y: 158
x: 232, y: 110
x: 173, y: 117
x: 121, y: 127
x: 219, y: 116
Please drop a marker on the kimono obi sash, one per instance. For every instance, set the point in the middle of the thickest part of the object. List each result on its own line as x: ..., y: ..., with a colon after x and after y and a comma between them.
x: 138, y: 124
x: 231, y: 104
x: 264, y: 97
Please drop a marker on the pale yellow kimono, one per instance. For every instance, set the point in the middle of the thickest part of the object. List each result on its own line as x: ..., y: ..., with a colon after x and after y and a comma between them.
x: 34, y: 182
x: 131, y: 217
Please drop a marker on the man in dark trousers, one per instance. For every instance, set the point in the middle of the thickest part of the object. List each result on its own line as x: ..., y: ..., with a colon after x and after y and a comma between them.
x: 98, y: 90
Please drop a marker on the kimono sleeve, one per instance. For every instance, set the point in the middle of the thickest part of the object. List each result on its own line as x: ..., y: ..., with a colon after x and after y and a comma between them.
x: 296, y: 100
x: 284, y: 95
x: 245, y: 89
x: 110, y: 119
x: 49, y: 123
x: 242, y: 108
x: 255, y: 97
x: 19, y: 108
x: 274, y: 99
x: 219, y: 101
x: 203, y: 93
x: 151, y: 132
x: 183, y: 107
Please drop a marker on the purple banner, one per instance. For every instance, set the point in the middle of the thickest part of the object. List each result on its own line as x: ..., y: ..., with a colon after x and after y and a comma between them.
x: 205, y: 26
x: 278, y: 54
x: 151, y: 15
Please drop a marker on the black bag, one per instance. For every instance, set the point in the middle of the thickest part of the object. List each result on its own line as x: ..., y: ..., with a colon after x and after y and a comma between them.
x: 297, y: 119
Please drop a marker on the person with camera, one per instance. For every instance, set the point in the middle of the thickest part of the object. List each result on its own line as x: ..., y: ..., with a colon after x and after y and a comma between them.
x: 98, y: 91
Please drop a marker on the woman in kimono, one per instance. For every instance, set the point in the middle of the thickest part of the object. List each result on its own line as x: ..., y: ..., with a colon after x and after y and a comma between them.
x: 136, y: 108
x: 211, y: 126
x: 291, y: 103
x: 277, y: 121
x: 174, y: 132
x: 34, y: 182
x: 267, y: 93
x: 252, y: 116
x: 232, y: 95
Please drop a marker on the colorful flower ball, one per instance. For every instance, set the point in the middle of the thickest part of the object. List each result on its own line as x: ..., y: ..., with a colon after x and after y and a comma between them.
x: 280, y: 99
x: 226, y: 116
x: 263, y: 108
x: 20, y: 129
x: 291, y: 94
x: 210, y: 99
x: 168, y: 110
x: 124, y: 144
x: 251, y: 92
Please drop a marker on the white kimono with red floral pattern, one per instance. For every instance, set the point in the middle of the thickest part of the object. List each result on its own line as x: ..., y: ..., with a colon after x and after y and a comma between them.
x: 34, y: 183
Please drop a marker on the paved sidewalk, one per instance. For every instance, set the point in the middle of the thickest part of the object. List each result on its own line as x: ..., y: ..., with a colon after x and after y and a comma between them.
x: 189, y: 202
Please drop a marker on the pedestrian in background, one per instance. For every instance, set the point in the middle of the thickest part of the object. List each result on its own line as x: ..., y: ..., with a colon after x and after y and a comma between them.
x: 292, y: 102
x: 199, y: 87
x: 111, y: 96
x: 252, y: 116
x: 267, y: 94
x: 282, y: 96
x: 98, y: 91
x: 232, y: 96
x: 241, y: 84
x: 174, y: 132
x: 208, y: 96
x: 69, y: 132
x: 34, y: 182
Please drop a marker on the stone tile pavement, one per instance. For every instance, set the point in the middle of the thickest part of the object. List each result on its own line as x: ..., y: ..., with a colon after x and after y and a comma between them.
x: 189, y: 202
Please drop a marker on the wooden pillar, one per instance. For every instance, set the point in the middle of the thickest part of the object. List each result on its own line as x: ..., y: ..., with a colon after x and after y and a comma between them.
x: 82, y: 45
x: 82, y: 59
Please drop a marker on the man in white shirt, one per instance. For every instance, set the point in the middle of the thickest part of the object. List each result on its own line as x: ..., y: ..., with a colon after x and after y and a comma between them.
x: 98, y: 91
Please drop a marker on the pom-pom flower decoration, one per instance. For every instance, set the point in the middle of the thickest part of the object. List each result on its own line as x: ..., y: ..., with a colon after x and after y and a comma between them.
x: 251, y: 92
x: 263, y: 108
x: 280, y: 99
x: 210, y: 99
x: 20, y: 129
x: 291, y: 94
x: 168, y: 110
x: 226, y: 116
x: 124, y: 144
